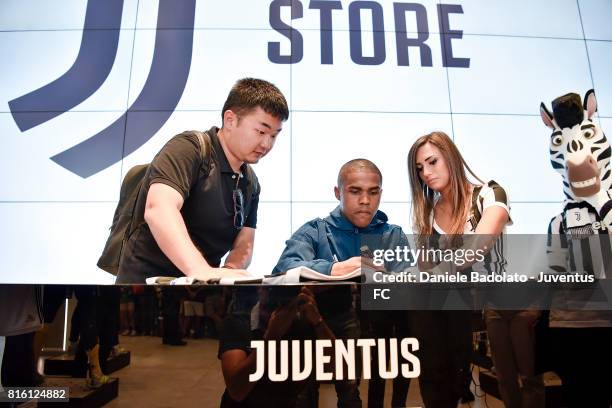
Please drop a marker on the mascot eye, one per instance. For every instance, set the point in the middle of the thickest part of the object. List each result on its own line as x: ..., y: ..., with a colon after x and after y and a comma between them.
x: 588, y: 134
x: 557, y: 140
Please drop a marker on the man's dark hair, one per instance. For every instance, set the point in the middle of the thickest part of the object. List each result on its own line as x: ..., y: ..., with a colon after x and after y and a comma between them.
x: 357, y: 164
x: 249, y: 93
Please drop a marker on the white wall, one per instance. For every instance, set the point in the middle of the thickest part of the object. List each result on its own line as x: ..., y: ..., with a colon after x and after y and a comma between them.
x: 55, y: 223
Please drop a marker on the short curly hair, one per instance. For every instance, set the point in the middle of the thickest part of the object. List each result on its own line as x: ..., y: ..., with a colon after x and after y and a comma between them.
x: 250, y: 93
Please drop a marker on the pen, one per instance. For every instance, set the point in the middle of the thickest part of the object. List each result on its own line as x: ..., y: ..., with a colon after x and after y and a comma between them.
x: 332, y: 244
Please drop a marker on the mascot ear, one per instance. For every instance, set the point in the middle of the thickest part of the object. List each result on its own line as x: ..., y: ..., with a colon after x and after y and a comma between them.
x: 590, y: 103
x: 546, y: 116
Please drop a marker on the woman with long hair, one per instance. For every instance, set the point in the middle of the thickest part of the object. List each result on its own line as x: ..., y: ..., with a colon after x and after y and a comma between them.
x: 446, y: 206
x: 442, y: 193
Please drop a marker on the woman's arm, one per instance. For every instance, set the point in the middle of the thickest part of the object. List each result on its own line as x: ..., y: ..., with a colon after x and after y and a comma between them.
x: 492, y: 222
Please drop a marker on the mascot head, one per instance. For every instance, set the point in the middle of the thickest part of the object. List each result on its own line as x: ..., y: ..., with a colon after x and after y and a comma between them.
x: 578, y: 148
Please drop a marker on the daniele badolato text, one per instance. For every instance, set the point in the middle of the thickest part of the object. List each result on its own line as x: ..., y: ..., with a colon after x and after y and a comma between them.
x: 330, y: 360
x: 479, y: 277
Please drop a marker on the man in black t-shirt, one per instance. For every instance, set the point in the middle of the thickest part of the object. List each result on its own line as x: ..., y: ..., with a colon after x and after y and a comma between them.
x: 295, y: 316
x: 196, y: 207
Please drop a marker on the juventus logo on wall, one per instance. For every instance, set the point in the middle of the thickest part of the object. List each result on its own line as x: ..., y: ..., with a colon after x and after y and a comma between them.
x: 159, y: 96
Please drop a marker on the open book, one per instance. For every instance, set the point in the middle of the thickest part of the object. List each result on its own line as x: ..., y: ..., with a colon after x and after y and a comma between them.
x: 186, y: 280
x: 305, y: 274
x: 171, y: 280
x: 292, y: 276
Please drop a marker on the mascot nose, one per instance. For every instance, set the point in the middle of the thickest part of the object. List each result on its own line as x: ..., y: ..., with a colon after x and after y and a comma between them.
x: 582, y: 171
x: 574, y: 146
x: 591, y: 161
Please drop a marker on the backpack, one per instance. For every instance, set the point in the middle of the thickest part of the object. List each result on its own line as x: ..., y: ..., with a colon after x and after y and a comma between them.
x: 121, y: 227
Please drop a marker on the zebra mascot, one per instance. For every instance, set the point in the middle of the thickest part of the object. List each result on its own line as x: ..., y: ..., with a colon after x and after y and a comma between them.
x: 579, y: 241
x: 581, y: 153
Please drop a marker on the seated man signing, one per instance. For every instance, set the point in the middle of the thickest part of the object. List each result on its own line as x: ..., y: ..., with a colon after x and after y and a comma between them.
x: 333, y: 246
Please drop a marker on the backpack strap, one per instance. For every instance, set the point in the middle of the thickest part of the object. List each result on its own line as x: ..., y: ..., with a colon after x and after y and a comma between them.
x: 475, y: 194
x: 475, y: 213
x: 205, y: 153
x: 250, y: 176
x: 205, y: 149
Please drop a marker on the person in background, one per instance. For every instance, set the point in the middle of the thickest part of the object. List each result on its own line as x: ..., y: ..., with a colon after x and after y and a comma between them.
x: 193, y: 309
x: 294, y: 316
x: 127, y: 310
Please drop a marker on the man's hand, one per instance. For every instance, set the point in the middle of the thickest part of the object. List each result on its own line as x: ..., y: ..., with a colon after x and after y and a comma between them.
x: 218, y: 273
x: 346, y: 267
x: 356, y: 262
x: 308, y: 306
x: 242, y: 249
x: 368, y: 262
x: 280, y: 321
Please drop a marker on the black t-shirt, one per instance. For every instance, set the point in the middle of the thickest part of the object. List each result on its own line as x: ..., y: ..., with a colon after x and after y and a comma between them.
x: 207, y: 187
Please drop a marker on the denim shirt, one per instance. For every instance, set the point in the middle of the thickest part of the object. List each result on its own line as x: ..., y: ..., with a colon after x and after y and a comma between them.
x: 316, y: 243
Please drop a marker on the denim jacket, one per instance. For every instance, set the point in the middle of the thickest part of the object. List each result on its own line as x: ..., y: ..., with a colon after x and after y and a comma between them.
x: 321, y: 242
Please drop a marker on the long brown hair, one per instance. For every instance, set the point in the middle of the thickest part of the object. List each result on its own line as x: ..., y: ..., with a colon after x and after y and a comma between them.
x: 423, y: 196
